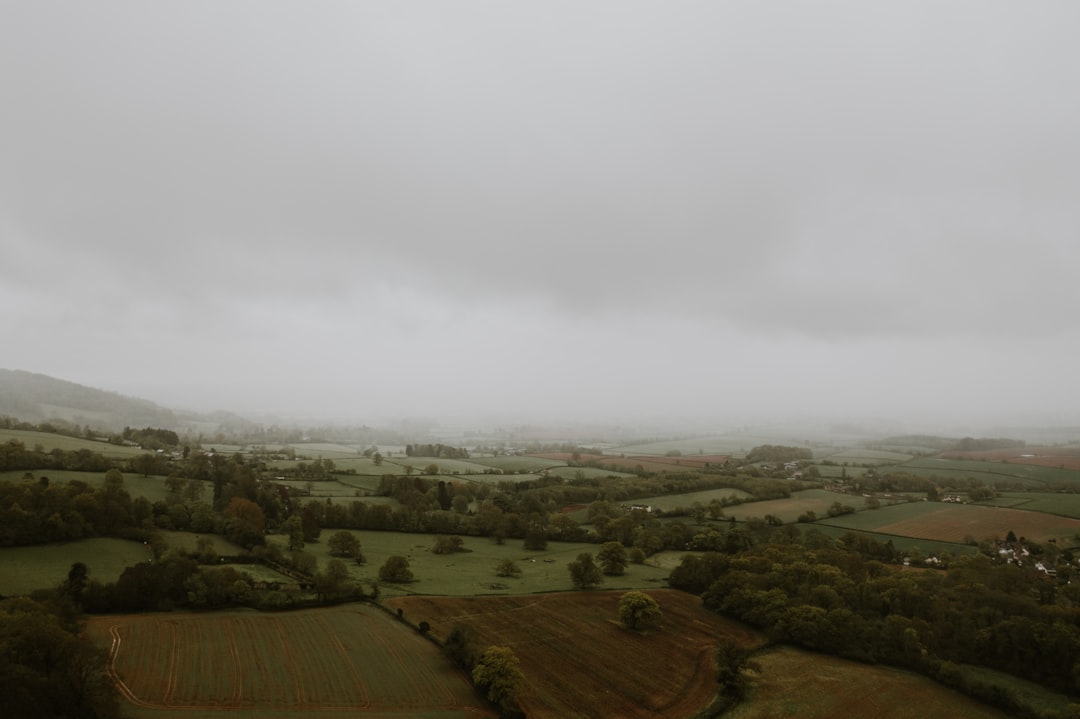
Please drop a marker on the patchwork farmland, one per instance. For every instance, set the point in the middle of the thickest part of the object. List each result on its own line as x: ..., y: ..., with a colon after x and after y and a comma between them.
x: 958, y: 522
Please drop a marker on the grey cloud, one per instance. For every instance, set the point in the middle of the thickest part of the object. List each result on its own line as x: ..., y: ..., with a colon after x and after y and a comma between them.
x: 841, y: 170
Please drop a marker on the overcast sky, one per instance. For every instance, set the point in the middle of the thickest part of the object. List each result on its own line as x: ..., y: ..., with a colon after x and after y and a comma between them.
x: 546, y: 209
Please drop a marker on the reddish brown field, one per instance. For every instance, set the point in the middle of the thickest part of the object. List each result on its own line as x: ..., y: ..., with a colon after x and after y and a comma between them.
x: 794, y: 683
x: 952, y: 523
x: 579, y: 662
x: 1063, y: 457
x: 353, y: 658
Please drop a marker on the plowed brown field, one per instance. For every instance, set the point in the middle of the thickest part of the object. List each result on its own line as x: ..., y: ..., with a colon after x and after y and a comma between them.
x: 579, y: 662
x: 352, y: 659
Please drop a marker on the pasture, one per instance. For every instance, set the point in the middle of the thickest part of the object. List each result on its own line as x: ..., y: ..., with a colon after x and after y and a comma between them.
x: 669, y: 502
x: 352, y: 658
x: 518, y: 463
x: 957, y: 522
x: 579, y: 662
x: 152, y: 487
x: 48, y: 441
x: 789, y: 509
x: 44, y: 566
x: 864, y: 456
x: 796, y: 683
x: 472, y: 571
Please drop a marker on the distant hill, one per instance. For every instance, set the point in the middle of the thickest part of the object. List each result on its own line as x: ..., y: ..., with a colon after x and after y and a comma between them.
x: 37, y: 398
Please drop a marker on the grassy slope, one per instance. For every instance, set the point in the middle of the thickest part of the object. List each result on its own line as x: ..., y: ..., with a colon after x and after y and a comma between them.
x: 793, y: 683
x: 24, y: 569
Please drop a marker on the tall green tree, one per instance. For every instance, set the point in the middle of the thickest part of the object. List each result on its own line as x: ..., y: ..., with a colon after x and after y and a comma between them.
x: 612, y: 556
x: 637, y: 607
x: 498, y: 674
x: 395, y: 570
x: 343, y: 544
x: 584, y: 572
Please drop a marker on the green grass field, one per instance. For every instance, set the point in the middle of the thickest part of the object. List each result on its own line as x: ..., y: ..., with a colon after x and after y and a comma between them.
x: 152, y: 487
x: 668, y: 502
x: 788, y: 510
x: 866, y: 456
x: 926, y: 547
x: 472, y: 572
x: 530, y: 465
x: 42, y: 566
x: 1066, y: 505
x: 49, y: 441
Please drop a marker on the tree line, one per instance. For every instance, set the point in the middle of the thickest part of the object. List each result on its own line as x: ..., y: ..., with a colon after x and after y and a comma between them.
x: 838, y: 597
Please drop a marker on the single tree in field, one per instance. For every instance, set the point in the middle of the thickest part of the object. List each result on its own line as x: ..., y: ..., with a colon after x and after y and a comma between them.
x: 499, y: 676
x: 343, y: 544
x: 395, y: 570
x: 637, y: 607
x: 508, y: 568
x: 612, y: 556
x: 583, y: 571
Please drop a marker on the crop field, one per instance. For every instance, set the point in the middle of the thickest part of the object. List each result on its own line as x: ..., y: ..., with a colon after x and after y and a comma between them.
x: 514, y: 463
x: 579, y: 662
x: 43, y: 566
x: 627, y: 463
x: 569, y: 473
x: 359, y: 482
x: 152, y: 487
x: 668, y: 502
x: 955, y: 522
x: 1060, y: 457
x: 49, y: 441
x: 689, y: 447
x: 794, y: 683
x: 1067, y: 505
x: 1032, y: 476
x: 352, y: 658
x: 866, y: 456
x: 472, y: 571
